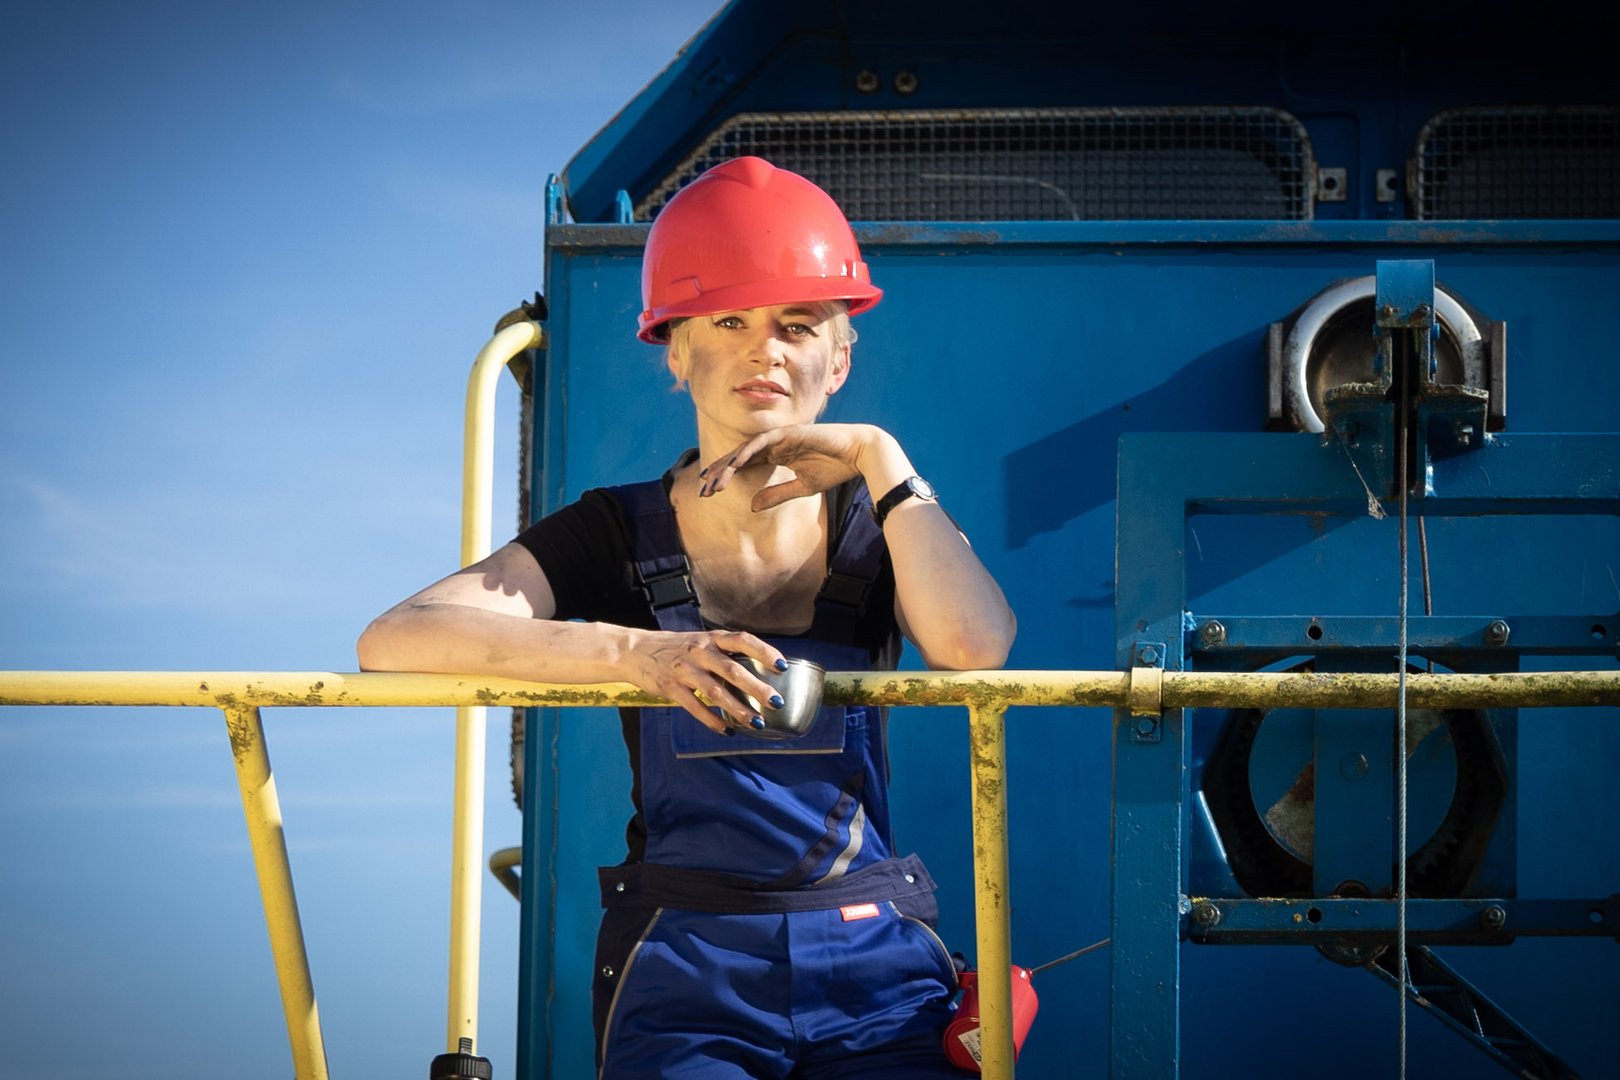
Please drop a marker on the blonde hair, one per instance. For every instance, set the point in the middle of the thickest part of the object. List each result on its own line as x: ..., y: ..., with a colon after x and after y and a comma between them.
x: 833, y: 314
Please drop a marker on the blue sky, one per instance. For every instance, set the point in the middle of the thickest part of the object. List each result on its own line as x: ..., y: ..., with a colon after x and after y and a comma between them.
x: 247, y: 253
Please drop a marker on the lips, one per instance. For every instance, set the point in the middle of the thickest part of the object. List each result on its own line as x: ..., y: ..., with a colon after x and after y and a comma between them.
x: 761, y: 390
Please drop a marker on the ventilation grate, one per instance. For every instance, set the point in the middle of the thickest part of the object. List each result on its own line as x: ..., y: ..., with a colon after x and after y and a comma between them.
x: 1029, y: 164
x: 1519, y: 162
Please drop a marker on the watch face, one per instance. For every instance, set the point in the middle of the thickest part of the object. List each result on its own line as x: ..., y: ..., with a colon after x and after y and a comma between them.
x: 921, y: 488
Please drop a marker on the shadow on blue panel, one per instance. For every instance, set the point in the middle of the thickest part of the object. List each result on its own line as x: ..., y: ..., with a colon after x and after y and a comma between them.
x: 1042, y: 499
x: 1043, y: 495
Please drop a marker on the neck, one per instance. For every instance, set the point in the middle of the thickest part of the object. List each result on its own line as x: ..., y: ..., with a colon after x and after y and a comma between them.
x: 732, y: 509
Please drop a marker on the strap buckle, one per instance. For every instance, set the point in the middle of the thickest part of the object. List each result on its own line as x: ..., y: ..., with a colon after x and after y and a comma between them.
x: 669, y: 588
x: 846, y: 589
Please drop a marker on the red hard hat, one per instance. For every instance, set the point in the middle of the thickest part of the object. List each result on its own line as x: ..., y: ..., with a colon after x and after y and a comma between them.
x: 746, y: 234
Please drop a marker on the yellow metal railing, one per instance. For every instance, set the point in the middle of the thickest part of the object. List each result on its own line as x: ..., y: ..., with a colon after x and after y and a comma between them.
x: 987, y: 696
x: 467, y: 836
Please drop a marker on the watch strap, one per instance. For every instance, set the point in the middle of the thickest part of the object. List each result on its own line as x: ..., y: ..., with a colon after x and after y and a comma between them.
x: 911, y: 486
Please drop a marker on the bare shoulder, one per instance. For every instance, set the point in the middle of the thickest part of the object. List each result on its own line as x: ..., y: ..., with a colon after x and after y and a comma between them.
x: 509, y: 581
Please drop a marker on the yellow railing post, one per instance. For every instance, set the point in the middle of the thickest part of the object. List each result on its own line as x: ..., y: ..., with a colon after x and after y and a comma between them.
x: 263, y: 812
x: 467, y: 842
x: 987, y: 734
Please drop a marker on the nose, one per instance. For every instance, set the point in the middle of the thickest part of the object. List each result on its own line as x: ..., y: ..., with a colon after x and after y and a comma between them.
x: 769, y: 350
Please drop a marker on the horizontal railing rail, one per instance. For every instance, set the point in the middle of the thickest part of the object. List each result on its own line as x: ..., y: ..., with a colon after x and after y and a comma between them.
x: 1147, y: 687
x: 240, y: 695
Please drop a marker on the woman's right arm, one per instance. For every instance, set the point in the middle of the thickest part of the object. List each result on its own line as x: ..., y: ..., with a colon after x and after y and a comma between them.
x: 496, y: 617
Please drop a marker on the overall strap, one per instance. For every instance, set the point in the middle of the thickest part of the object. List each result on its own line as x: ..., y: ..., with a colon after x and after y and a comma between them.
x: 662, y: 571
x: 851, y: 570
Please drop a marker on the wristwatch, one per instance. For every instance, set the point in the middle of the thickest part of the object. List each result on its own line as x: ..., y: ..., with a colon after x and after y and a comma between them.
x: 905, y: 489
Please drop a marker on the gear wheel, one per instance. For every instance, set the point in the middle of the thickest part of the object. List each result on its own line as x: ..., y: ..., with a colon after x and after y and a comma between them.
x: 1442, y: 866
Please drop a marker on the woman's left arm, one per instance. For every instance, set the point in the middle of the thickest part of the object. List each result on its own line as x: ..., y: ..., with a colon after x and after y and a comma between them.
x: 946, y: 602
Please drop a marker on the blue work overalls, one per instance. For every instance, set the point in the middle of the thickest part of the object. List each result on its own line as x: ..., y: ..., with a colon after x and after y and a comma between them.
x: 768, y: 931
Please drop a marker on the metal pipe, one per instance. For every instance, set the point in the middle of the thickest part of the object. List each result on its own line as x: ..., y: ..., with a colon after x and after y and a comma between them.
x: 478, y: 437
x: 504, y: 864
x: 466, y: 849
x: 993, y: 914
x: 263, y: 812
x: 1180, y: 689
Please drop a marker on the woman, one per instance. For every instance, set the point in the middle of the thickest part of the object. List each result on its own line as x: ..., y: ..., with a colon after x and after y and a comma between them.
x: 760, y: 925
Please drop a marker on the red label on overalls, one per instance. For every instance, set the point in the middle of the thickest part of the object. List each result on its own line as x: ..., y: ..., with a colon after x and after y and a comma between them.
x: 858, y: 911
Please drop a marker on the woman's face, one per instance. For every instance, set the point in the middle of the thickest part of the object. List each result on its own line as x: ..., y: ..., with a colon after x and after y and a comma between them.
x: 761, y: 368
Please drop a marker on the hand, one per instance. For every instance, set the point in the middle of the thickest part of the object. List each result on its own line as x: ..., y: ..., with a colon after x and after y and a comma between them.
x: 681, y: 666
x: 821, y: 456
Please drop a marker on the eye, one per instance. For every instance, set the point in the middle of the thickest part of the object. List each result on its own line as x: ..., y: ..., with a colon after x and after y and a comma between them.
x: 799, y: 330
x: 729, y: 322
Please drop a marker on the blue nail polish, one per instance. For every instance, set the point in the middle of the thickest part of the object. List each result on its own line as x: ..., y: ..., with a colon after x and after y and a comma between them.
x: 781, y: 665
x: 776, y: 701
x: 758, y: 722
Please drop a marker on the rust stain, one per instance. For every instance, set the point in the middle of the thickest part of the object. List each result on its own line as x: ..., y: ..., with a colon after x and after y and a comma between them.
x: 240, y: 730
x: 1304, y: 789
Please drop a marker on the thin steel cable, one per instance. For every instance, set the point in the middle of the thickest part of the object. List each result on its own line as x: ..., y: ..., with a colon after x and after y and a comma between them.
x: 1404, y: 429
x: 1423, y: 557
x: 1077, y: 954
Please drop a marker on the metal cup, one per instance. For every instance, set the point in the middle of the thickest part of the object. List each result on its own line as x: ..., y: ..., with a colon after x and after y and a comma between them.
x: 800, y: 686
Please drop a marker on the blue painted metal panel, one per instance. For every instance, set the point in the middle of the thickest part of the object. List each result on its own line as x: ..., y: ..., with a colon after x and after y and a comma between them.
x: 1093, y: 356
x: 1362, y: 85
x: 1531, y: 473
x: 1010, y: 359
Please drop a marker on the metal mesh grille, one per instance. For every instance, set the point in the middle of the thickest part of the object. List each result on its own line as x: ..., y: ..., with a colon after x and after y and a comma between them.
x: 1028, y: 164
x: 1482, y: 162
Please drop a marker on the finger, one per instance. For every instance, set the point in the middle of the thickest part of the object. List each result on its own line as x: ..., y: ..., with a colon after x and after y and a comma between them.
x: 740, y: 644
x: 777, y: 494
x: 760, y: 695
x: 704, y: 715
x: 739, y: 458
x: 729, y: 700
x: 719, y: 474
x: 731, y: 642
x: 717, y: 477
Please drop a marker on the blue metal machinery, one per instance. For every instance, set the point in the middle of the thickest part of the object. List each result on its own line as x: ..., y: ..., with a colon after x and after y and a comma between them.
x: 1178, y: 303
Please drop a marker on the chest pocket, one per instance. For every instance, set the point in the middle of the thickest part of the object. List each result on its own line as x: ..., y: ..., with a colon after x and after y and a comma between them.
x: 828, y: 735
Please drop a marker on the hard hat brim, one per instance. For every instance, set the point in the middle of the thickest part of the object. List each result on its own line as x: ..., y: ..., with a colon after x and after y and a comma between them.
x: 860, y: 295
